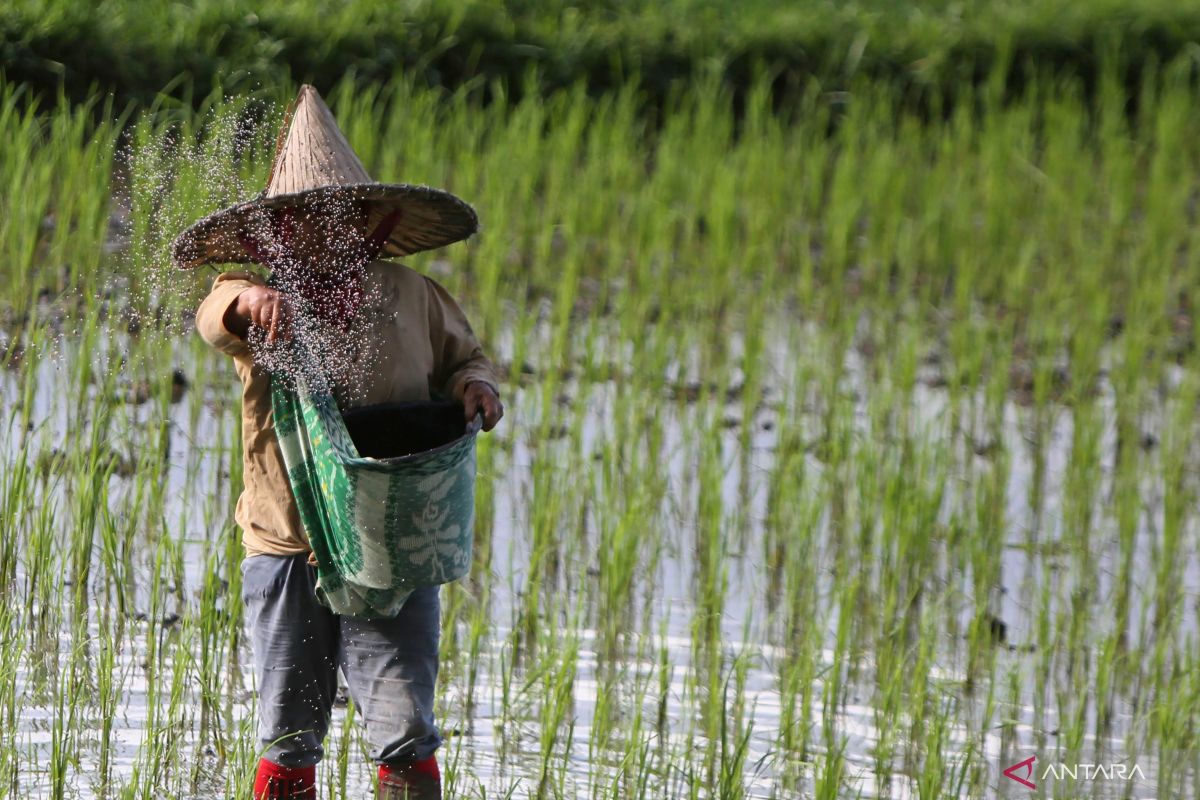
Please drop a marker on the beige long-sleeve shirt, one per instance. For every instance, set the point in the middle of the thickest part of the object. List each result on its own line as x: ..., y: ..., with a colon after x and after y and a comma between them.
x: 422, y: 344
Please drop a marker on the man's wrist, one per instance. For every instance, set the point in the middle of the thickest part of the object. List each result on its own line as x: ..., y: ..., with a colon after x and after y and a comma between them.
x: 235, y: 319
x: 486, y: 384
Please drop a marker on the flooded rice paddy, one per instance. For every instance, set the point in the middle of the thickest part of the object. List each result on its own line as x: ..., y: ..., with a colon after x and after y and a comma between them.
x: 587, y: 706
x: 839, y: 460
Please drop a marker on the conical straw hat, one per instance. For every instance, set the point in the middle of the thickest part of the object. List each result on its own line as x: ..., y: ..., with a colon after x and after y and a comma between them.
x: 314, y: 165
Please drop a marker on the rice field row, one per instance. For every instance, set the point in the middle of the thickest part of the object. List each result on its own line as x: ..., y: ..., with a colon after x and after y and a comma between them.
x: 847, y: 453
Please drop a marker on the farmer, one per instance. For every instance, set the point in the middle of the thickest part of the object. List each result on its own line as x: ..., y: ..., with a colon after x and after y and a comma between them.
x: 320, y: 225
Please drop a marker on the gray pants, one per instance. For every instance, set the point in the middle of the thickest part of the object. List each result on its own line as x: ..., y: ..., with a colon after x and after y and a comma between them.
x: 390, y: 665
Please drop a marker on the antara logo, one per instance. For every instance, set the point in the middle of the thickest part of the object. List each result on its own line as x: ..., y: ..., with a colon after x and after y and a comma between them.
x: 1022, y: 772
x: 1025, y: 766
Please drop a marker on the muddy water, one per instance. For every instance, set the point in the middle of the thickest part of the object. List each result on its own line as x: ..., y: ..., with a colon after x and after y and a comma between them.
x: 494, y: 746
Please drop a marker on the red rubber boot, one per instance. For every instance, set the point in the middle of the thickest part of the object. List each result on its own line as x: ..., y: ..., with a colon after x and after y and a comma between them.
x: 419, y: 780
x: 274, y: 782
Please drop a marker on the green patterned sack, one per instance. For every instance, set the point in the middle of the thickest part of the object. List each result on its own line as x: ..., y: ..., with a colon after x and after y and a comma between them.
x: 379, y: 528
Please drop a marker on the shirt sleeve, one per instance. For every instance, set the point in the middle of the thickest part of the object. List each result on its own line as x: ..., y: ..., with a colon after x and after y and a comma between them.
x: 210, y: 316
x: 458, y: 358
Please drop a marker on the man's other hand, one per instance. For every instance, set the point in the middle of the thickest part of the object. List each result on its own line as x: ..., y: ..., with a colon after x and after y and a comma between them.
x: 479, y: 398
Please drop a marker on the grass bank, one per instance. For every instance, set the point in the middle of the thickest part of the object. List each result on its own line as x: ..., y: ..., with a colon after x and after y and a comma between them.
x: 920, y: 49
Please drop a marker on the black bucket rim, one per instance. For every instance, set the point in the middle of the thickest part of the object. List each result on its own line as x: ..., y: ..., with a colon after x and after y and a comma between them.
x: 471, y: 430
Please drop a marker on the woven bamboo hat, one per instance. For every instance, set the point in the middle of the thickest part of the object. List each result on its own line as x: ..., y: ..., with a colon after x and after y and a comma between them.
x: 315, y: 168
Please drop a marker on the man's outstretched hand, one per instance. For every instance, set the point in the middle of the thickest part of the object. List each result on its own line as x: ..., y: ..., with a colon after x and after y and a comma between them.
x: 267, y: 308
x: 479, y: 398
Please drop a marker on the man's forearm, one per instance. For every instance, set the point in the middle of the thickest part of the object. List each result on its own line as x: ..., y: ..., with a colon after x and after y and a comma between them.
x: 477, y: 369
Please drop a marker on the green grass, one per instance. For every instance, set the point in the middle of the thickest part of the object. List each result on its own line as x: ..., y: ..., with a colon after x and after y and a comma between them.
x: 811, y: 427
x: 921, y: 48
